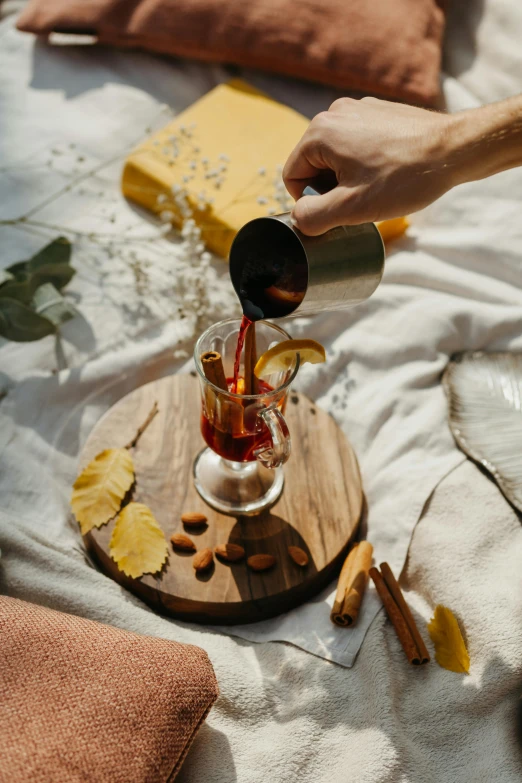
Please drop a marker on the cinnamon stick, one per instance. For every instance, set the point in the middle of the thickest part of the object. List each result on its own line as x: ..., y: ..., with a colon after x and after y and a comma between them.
x: 352, y: 584
x: 395, y: 590
x: 403, y: 632
x: 212, y: 364
x: 223, y: 412
x: 231, y: 416
x: 251, y: 382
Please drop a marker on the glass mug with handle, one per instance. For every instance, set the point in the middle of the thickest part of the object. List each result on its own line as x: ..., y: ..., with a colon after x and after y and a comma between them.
x: 247, y: 437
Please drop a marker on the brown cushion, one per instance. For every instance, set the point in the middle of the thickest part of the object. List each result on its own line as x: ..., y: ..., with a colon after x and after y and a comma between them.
x: 80, y: 701
x: 387, y: 47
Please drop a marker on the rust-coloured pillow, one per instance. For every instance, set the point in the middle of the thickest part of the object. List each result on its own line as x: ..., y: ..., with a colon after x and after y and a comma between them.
x: 85, y: 701
x: 390, y: 48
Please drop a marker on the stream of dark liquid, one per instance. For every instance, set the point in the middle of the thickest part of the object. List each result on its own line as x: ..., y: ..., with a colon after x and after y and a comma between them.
x: 245, y: 323
x: 272, y: 285
x: 265, y: 293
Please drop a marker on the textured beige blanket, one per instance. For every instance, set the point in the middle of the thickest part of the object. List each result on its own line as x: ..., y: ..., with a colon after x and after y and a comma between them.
x: 287, y: 716
x: 283, y: 715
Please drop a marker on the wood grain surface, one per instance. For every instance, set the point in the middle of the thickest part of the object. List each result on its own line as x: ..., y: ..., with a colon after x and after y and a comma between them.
x: 318, y: 511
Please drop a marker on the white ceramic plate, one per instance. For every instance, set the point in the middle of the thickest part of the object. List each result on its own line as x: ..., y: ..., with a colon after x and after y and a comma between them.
x: 484, y: 393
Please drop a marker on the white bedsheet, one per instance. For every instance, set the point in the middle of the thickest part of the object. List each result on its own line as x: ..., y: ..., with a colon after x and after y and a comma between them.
x: 454, y: 283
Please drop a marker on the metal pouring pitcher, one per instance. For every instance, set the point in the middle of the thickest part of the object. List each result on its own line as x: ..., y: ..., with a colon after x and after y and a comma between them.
x: 337, y: 269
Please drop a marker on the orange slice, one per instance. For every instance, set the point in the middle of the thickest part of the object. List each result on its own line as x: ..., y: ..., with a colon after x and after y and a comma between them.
x: 282, y: 356
x: 279, y: 295
x: 391, y: 229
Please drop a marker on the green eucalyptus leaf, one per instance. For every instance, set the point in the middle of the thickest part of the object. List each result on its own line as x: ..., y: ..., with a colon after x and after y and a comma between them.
x: 18, y: 287
x: 5, y: 276
x: 21, y: 324
x: 49, y: 265
x: 56, y: 274
x: 56, y: 252
x: 49, y: 302
x: 18, y: 270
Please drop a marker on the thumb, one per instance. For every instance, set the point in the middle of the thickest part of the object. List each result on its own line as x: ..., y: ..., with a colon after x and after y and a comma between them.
x: 313, y: 215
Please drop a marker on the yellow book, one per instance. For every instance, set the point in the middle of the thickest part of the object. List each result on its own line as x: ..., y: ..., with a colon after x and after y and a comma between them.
x: 228, y: 149
x: 221, y: 160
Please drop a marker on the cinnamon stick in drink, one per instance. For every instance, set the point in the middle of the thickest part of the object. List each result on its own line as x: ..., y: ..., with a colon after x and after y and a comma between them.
x: 395, y: 590
x: 251, y: 382
x: 222, y: 412
x: 352, y: 584
x: 212, y: 364
x: 394, y: 613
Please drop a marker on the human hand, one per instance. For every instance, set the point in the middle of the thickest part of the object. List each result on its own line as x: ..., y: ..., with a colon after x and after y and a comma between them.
x: 372, y: 160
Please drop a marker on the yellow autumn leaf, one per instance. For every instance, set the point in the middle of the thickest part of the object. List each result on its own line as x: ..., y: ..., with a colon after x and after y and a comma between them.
x: 450, y: 649
x: 100, y: 488
x: 138, y: 545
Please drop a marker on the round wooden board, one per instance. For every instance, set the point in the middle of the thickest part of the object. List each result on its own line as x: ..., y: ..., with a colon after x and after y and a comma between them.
x: 319, y: 509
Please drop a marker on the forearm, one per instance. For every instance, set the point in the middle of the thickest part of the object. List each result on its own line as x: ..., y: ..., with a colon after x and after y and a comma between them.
x: 486, y: 140
x: 386, y: 159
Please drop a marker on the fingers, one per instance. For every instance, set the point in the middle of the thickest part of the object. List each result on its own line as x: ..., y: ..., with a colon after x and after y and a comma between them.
x: 375, y: 101
x: 299, y: 171
x: 313, y: 215
x: 308, y: 158
x: 343, y: 104
x: 295, y: 186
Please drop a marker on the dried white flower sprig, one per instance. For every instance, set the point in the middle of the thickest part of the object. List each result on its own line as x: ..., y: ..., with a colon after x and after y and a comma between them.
x: 180, y: 151
x: 181, y: 206
x: 151, y: 274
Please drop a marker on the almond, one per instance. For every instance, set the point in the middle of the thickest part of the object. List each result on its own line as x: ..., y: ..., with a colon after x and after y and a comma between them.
x: 183, y: 542
x: 202, y: 560
x: 230, y: 552
x: 261, y: 562
x: 298, y: 555
x: 194, y: 519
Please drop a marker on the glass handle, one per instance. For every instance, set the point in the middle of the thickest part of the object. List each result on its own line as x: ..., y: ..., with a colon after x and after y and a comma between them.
x: 277, y: 453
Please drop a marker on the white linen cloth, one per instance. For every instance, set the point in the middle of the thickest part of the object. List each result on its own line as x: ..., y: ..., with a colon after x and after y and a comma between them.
x: 287, y: 716
x: 454, y: 283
